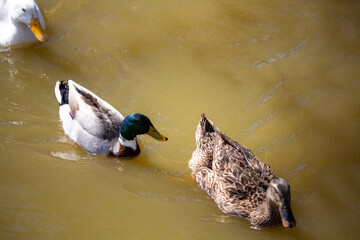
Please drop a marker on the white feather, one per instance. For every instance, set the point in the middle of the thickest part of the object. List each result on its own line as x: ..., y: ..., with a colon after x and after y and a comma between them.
x: 57, y: 92
x: 131, y: 144
x: 85, y: 116
x: 87, y: 141
x: 85, y: 127
x: 14, y: 25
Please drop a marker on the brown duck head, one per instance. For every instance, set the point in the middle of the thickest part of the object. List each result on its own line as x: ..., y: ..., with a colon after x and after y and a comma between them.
x: 278, y: 193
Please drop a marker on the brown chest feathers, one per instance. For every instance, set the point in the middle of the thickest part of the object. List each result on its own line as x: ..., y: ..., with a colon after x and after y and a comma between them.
x: 123, y: 151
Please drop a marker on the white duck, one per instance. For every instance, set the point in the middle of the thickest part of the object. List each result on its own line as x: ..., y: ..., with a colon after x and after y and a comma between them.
x: 97, y: 126
x: 21, y: 22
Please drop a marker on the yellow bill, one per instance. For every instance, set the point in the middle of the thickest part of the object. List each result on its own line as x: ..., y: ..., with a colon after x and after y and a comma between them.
x: 38, y: 31
x: 155, y: 134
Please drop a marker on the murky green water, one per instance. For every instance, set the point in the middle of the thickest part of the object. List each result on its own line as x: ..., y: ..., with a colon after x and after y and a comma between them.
x: 281, y: 77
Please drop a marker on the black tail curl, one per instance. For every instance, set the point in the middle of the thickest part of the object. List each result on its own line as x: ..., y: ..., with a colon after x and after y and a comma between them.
x: 64, y: 91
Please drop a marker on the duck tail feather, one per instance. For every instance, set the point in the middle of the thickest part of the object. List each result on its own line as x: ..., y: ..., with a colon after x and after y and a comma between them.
x: 207, y: 125
x: 62, y: 92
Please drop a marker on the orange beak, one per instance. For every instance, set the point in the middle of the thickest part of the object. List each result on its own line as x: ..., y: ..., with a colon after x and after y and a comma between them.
x: 38, y: 31
x: 287, y: 217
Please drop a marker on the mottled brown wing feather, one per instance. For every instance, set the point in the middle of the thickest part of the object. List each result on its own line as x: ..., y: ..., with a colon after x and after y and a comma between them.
x: 229, y: 172
x: 205, y: 135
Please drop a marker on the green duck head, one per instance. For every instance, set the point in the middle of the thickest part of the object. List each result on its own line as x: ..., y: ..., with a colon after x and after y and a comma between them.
x: 137, y: 124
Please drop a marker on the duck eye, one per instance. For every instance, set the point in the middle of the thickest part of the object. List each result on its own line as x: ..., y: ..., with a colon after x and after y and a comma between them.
x: 23, y: 10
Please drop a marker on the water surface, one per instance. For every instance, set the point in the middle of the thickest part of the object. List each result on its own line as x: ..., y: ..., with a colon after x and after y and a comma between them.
x: 280, y: 77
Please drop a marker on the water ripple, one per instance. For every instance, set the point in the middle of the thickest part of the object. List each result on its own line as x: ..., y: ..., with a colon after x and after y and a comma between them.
x: 260, y: 123
x: 298, y: 170
x: 264, y: 98
x: 248, y: 42
x: 166, y: 197
x: 285, y: 140
x: 14, y: 123
x: 67, y: 156
x: 279, y: 56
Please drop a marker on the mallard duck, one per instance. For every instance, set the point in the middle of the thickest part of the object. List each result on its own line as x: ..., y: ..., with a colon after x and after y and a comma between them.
x: 97, y: 126
x: 240, y: 184
x: 21, y: 22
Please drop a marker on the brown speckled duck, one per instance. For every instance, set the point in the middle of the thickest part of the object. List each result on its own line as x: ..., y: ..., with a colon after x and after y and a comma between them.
x: 240, y: 184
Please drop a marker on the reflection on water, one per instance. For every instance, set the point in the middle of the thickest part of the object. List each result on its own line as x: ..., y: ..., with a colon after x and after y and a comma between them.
x: 67, y: 156
x: 279, y: 77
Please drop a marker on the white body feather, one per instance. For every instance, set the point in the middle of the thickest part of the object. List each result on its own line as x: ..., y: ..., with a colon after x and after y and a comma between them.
x: 84, y: 126
x: 13, y: 31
